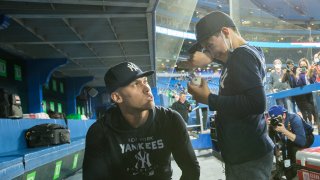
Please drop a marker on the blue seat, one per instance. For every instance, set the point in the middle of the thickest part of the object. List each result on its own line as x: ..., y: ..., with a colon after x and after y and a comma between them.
x: 11, y: 166
x: 16, y: 158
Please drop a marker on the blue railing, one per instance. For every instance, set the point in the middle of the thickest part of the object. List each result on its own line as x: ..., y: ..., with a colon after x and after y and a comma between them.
x: 295, y: 91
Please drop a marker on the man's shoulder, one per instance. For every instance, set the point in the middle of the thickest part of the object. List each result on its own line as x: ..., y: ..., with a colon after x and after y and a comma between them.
x: 166, y: 113
x: 163, y: 110
x: 247, y: 54
x: 95, y: 130
x: 246, y: 49
x: 293, y: 117
x: 175, y: 103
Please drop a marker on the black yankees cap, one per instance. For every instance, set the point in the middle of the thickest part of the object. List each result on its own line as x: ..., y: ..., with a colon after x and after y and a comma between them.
x: 123, y: 74
x: 208, y: 26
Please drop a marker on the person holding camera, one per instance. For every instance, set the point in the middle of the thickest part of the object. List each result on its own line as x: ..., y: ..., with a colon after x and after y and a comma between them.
x: 275, y: 79
x: 276, y: 83
x: 304, y: 102
x: 288, y: 133
x: 302, y: 73
x: 315, y: 69
x: 290, y: 74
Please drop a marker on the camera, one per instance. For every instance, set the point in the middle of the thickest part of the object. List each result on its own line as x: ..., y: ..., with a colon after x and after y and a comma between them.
x: 276, y: 121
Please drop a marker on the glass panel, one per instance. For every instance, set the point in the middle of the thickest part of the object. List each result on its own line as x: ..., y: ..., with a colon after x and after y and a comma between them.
x: 284, y: 30
x: 173, y: 19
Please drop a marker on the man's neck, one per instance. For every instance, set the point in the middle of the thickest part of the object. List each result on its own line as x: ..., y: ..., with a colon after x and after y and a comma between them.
x: 237, y: 42
x: 135, y: 118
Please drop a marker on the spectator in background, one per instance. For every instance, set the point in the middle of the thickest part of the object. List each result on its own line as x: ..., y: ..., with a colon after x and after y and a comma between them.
x: 315, y: 69
x: 288, y: 131
x: 289, y: 77
x: 275, y: 81
x: 182, y: 106
x: 302, y: 73
x: 304, y: 102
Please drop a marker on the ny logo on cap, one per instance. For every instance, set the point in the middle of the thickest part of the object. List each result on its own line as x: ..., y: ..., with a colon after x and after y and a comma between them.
x: 132, y: 67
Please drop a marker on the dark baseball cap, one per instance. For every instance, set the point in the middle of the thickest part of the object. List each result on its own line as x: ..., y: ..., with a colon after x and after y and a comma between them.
x: 289, y: 61
x: 276, y: 110
x: 123, y: 74
x: 208, y: 26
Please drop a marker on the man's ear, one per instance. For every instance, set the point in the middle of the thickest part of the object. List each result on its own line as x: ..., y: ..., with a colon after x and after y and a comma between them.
x: 116, y: 97
x: 225, y: 31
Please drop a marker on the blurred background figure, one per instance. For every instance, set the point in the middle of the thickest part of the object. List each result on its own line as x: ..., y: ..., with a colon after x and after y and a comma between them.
x: 182, y: 106
x: 315, y: 69
x: 290, y: 134
x: 275, y: 81
x: 289, y: 77
x: 304, y: 102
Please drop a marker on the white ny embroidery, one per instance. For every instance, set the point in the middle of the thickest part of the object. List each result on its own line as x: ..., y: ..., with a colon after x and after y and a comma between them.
x: 132, y: 67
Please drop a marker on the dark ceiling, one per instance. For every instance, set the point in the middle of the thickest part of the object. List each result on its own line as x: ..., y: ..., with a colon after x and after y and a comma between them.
x: 295, y: 11
x: 91, y: 34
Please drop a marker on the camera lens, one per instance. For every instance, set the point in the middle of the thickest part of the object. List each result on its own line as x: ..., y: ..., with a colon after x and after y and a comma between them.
x: 275, y: 121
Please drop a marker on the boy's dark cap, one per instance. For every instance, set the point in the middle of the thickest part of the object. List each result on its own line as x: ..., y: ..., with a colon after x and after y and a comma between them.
x: 123, y: 74
x: 289, y: 61
x: 209, y: 25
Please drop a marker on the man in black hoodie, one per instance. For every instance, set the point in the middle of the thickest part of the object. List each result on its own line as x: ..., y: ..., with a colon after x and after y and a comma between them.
x: 245, y: 145
x: 135, y: 139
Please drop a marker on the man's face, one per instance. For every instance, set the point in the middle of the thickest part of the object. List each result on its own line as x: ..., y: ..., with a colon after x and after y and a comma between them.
x: 137, y: 95
x: 182, y: 98
x: 215, y: 46
x: 277, y: 64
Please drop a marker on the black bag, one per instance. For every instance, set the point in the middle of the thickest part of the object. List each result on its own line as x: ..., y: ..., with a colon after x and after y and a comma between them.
x: 309, y: 133
x: 308, y: 129
x: 10, y: 105
x: 47, y: 135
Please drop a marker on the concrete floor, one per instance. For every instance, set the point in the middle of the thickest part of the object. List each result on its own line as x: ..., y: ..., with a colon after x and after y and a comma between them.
x: 211, y: 168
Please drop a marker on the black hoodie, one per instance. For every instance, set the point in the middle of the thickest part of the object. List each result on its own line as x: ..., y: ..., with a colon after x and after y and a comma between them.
x: 241, y: 127
x: 115, y: 150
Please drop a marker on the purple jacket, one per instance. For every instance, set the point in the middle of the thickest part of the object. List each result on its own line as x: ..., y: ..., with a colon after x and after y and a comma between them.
x: 301, y: 81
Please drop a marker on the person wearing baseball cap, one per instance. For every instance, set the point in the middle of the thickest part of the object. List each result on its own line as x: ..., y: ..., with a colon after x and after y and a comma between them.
x: 293, y: 133
x: 245, y: 145
x: 135, y: 139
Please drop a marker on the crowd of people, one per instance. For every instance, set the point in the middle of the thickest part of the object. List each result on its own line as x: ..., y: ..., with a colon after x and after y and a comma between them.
x: 292, y: 76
